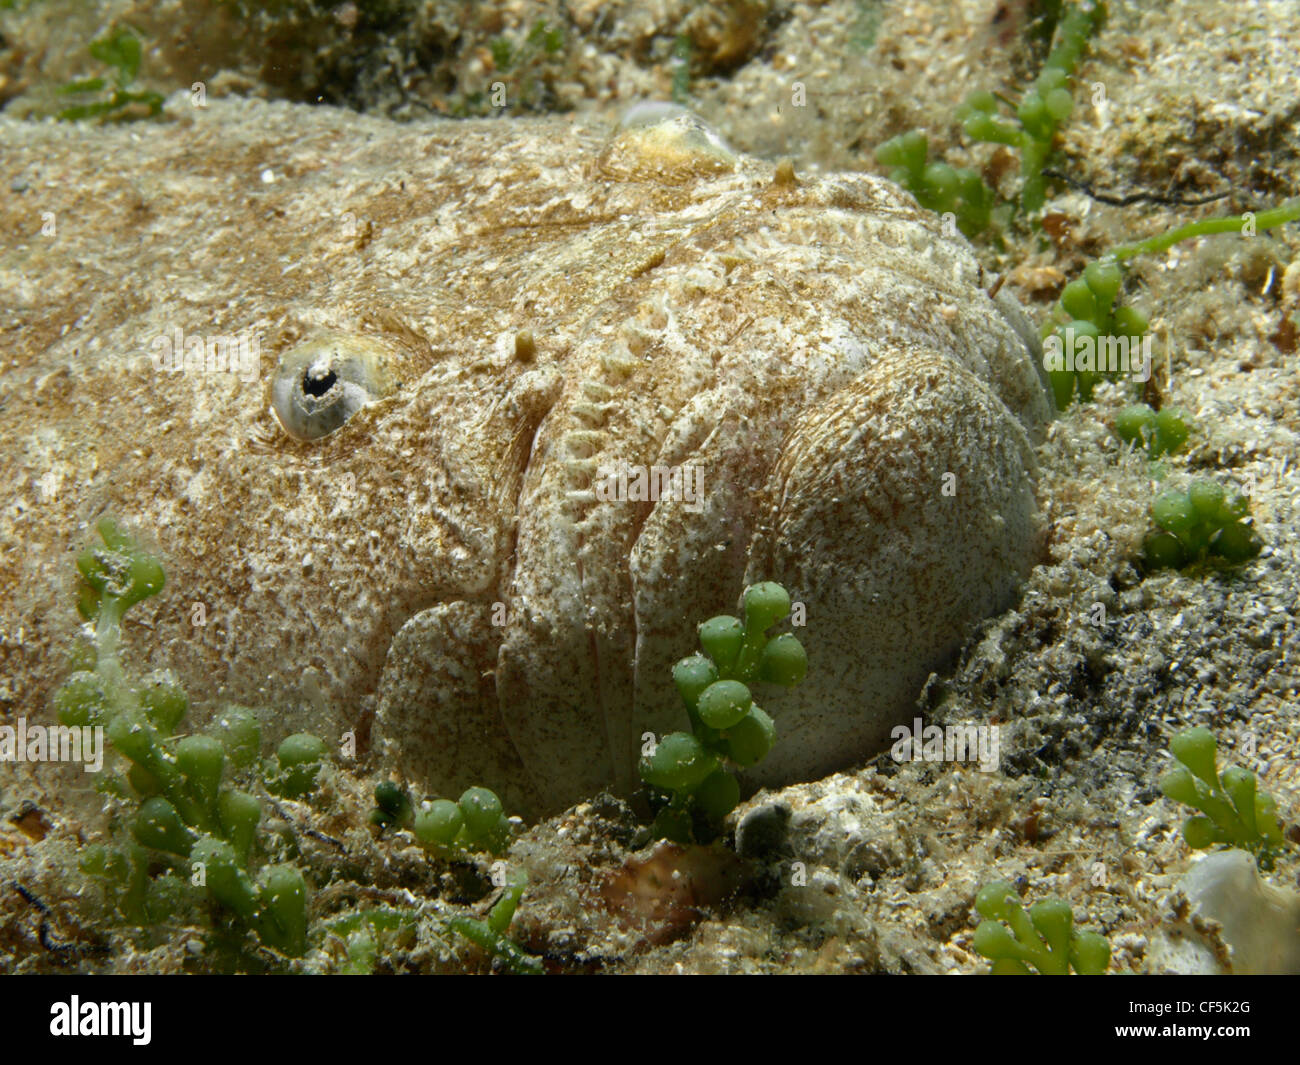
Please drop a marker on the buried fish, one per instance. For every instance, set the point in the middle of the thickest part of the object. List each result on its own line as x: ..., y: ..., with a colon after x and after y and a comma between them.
x: 535, y: 399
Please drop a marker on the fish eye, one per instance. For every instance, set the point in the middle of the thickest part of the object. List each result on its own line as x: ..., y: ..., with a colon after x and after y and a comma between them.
x: 319, y: 385
x: 662, y: 140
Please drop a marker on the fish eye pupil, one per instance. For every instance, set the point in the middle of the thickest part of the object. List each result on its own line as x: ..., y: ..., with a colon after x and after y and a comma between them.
x: 317, y: 384
x: 320, y: 384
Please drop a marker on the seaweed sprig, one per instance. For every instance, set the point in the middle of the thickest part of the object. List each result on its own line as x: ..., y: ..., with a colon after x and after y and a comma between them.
x: 1089, y: 318
x: 727, y: 726
x: 1199, y: 522
x: 1043, y: 938
x: 490, y: 935
x: 112, y: 98
x: 475, y: 822
x: 1042, y: 109
x: 1233, y: 811
x: 1031, y: 131
x: 193, y: 833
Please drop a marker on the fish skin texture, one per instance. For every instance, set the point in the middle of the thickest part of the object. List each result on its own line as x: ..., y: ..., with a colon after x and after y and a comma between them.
x: 437, y: 575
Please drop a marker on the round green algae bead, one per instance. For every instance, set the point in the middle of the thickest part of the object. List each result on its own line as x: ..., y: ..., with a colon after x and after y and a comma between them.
x: 718, y: 795
x: 283, y: 897
x: 503, y: 912
x: 993, y: 941
x: 482, y: 810
x: 1179, y: 784
x: 679, y: 763
x: 997, y: 899
x: 890, y: 152
x: 1059, y: 104
x: 1163, y: 551
x: 302, y: 748
x: 721, y: 638
x: 724, y: 703
x: 1240, y: 785
x: 1130, y: 322
x: 1266, y: 817
x: 392, y: 802
x: 201, y: 759
x: 1171, y: 431
x: 81, y: 700
x: 239, y: 810
x: 498, y: 837
x: 439, y: 822
x: 300, y: 756
x: 1137, y: 422
x: 1054, y: 920
x: 914, y: 149
x: 1081, y: 327
x: 1200, y: 832
x: 899, y: 175
x: 100, y: 860
x: 1196, y: 749
x: 1173, y: 512
x: 132, y: 734
x: 1050, y: 78
x: 164, y: 701
x: 784, y: 661
x: 147, y: 578
x: 1104, y: 278
x: 120, y: 571
x: 749, y: 739
x: 1079, y: 300
x: 1032, y: 112
x: 144, y: 782
x: 766, y: 603
x: 692, y: 675
x: 1235, y: 506
x: 238, y: 813
x: 942, y: 181
x: 907, y: 150
x: 1206, y: 497
x: 239, y: 732
x: 227, y: 881
x: 1236, y: 542
x: 972, y: 185
x: 1090, y: 954
x: 981, y: 126
x: 158, y: 825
